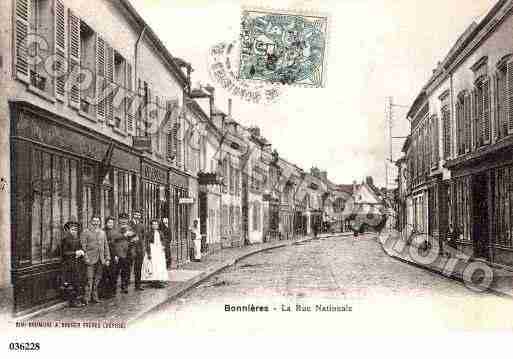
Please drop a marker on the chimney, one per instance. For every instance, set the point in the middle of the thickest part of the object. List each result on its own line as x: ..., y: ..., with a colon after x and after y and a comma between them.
x: 354, y: 187
x: 211, y: 99
x: 369, y: 180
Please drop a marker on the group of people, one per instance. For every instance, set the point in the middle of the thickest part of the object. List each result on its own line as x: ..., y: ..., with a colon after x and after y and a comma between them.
x: 97, y: 258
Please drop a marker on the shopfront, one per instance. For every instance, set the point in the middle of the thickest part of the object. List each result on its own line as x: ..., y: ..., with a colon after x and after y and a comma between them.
x: 61, y: 171
x: 154, y: 192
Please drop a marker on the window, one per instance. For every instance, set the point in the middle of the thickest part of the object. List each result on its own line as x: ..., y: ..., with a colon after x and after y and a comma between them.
x: 482, y: 112
x: 504, y: 95
x: 461, y: 209
x: 502, y: 179
x: 460, y: 124
x: 256, y: 216
x: 120, y: 80
x: 124, y: 188
x: 87, y: 61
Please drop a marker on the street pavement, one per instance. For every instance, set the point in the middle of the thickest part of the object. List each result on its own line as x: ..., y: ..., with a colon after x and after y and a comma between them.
x: 384, y: 293
x: 338, y: 283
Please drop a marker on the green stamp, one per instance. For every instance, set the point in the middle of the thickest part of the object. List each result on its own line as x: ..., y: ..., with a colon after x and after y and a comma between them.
x: 283, y: 48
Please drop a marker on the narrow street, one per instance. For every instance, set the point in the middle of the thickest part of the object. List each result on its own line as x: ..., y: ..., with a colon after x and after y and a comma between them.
x: 338, y: 271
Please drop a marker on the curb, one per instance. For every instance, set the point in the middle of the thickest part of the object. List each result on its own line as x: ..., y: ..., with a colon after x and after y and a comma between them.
x: 189, y: 284
x: 435, y: 271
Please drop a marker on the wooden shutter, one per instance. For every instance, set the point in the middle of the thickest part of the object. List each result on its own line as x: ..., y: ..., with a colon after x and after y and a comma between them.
x: 74, y: 55
x: 109, y: 76
x: 175, y: 142
x: 130, y: 88
x: 60, y: 47
x: 447, y: 133
x: 436, y: 138
x: 468, y: 122
x: 494, y: 95
x: 473, y: 122
x: 22, y: 19
x: 100, y: 78
x: 509, y: 99
x: 486, y: 133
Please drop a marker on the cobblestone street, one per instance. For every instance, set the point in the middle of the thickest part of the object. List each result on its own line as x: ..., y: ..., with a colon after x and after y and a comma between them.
x: 336, y: 271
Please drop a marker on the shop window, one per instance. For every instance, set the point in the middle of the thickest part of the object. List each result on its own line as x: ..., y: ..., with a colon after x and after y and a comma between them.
x: 502, y: 190
x: 54, y: 184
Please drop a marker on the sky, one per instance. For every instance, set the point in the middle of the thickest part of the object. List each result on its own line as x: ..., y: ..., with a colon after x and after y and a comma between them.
x: 376, y: 49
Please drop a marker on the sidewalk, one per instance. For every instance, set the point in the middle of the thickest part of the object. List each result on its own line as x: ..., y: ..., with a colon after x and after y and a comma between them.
x: 451, y: 267
x: 129, y: 307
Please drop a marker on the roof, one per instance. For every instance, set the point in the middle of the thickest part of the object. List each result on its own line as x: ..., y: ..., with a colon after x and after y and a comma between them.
x: 156, y: 40
x: 348, y: 188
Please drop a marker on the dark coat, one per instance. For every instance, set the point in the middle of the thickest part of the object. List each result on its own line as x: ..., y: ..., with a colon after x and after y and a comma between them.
x: 118, y: 243
x: 73, y: 267
x: 140, y: 246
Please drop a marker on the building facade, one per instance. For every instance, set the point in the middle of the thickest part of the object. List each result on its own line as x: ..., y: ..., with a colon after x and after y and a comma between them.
x: 461, y: 151
x: 72, y: 156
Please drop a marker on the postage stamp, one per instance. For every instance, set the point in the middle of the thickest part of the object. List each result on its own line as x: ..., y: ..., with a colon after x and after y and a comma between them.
x: 282, y: 47
x: 223, y: 67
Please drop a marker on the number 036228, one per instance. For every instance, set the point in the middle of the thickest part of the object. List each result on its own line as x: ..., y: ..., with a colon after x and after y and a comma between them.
x: 28, y: 346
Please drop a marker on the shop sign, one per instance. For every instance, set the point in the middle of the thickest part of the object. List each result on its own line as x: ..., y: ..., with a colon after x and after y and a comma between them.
x: 142, y: 143
x: 186, y: 200
x: 153, y: 173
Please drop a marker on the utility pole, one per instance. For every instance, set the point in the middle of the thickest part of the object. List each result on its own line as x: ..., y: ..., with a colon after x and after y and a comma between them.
x: 389, y: 120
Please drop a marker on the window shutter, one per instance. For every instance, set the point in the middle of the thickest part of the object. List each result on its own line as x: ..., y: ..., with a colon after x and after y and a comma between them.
x: 436, y: 146
x: 22, y: 29
x: 468, y: 122
x: 175, y: 143
x: 169, y: 148
x: 100, y: 77
x: 509, y: 74
x: 129, y: 87
x: 60, y: 46
x: 495, y: 106
x: 447, y: 133
x: 109, y: 76
x: 473, y: 122
x: 486, y: 111
x: 74, y: 55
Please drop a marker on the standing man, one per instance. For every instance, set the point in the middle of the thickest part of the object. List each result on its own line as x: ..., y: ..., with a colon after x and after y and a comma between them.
x: 138, y: 247
x: 111, y: 273
x: 166, y: 241
x: 94, y: 243
x: 120, y: 253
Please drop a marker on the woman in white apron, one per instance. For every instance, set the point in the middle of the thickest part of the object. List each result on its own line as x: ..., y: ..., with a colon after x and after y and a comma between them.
x: 196, y: 240
x: 154, y: 265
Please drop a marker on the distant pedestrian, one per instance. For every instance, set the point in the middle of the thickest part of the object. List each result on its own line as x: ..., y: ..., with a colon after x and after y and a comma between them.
x: 196, y: 239
x: 154, y: 265
x: 94, y: 243
x: 73, y: 265
x: 452, y: 236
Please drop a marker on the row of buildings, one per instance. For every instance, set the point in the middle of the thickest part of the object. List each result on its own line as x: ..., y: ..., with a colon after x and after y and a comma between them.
x: 457, y: 167
x: 72, y: 156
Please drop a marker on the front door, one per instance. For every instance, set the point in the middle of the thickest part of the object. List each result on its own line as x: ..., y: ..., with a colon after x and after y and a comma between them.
x: 480, y: 233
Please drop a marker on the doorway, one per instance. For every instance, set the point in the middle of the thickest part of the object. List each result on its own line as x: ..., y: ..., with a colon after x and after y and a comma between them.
x: 480, y: 219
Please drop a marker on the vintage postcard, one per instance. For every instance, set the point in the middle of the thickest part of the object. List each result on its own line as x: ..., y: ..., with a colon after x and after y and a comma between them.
x: 308, y: 168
